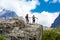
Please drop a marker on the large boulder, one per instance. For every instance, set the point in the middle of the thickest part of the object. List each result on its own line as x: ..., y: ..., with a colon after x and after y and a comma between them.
x: 32, y: 32
x: 17, y: 29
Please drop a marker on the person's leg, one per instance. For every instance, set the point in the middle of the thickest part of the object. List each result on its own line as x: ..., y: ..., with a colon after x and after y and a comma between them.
x: 33, y: 21
x: 27, y: 20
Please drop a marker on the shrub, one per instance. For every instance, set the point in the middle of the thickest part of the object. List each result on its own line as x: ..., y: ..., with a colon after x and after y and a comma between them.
x: 51, y: 34
x: 2, y: 37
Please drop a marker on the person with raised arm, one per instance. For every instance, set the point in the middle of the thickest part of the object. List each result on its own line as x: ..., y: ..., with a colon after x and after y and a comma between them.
x: 33, y: 18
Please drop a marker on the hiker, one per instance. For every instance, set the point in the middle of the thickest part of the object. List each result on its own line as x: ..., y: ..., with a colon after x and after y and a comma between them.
x: 26, y: 17
x: 33, y: 18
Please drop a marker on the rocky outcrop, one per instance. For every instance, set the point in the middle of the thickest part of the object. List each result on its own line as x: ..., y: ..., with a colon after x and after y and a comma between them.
x: 17, y: 29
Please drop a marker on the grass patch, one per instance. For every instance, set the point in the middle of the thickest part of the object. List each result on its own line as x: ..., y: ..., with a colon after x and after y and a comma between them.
x: 2, y: 37
x: 51, y: 34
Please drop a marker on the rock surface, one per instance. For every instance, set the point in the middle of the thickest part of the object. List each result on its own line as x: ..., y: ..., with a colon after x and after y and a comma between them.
x: 17, y: 29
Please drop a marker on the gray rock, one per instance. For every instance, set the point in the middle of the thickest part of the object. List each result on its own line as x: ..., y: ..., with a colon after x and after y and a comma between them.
x: 17, y: 29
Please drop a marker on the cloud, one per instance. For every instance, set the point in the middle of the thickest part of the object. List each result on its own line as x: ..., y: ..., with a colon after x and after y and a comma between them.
x: 21, y: 7
x: 46, y: 18
x: 55, y: 1
x: 46, y: 0
x: 59, y: 1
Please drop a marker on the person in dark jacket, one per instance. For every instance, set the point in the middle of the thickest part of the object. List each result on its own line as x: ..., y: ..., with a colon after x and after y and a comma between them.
x: 33, y: 18
x: 26, y: 17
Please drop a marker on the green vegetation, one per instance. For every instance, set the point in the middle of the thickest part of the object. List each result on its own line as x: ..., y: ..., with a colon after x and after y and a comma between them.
x: 51, y: 34
x: 2, y: 37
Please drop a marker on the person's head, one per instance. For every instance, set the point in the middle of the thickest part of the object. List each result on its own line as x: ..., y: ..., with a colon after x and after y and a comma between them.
x: 27, y: 14
x: 33, y: 15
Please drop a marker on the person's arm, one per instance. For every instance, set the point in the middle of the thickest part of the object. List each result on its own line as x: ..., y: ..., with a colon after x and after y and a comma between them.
x: 36, y: 17
x: 30, y: 17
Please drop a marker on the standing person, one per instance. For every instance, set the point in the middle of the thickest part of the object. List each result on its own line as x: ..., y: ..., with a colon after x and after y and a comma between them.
x: 26, y: 17
x: 33, y: 18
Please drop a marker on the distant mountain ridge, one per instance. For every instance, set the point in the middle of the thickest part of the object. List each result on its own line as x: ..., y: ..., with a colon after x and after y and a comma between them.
x: 56, y: 22
x: 8, y: 13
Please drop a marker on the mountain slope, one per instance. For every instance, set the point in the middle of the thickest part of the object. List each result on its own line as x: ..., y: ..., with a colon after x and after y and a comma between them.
x: 7, y: 13
x: 56, y: 22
